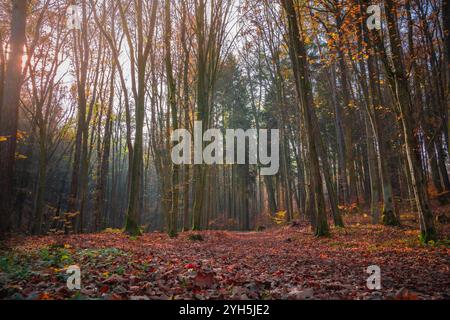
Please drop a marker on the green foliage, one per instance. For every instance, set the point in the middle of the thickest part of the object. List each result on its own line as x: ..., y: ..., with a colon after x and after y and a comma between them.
x: 15, y: 267
x: 56, y: 256
x: 434, y: 243
x: 107, y: 254
x: 428, y: 237
x: 173, y: 234
x: 111, y: 252
x: 120, y: 270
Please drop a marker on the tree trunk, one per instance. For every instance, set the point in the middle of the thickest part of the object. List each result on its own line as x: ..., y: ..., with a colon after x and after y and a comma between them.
x: 298, y: 56
x: 186, y: 171
x: 9, y: 113
x: 446, y: 23
x: 2, y: 73
x: 171, y: 93
x: 40, y: 188
x: 399, y: 84
x: 132, y: 219
x: 389, y: 211
x: 104, y: 160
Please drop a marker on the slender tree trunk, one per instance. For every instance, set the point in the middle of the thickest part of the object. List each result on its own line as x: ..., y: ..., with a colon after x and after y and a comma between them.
x: 442, y: 160
x: 2, y: 73
x: 101, y: 200
x: 41, y: 183
x: 446, y: 24
x: 342, y: 167
x: 202, y: 113
x: 186, y: 172
x: 373, y: 173
x: 171, y: 92
x: 347, y: 130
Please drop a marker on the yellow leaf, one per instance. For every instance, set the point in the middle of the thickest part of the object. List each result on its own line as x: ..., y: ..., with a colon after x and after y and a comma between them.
x: 20, y: 156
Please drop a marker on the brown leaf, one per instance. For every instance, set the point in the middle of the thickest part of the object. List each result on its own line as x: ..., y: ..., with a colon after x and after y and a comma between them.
x: 114, y: 279
x: 204, y: 280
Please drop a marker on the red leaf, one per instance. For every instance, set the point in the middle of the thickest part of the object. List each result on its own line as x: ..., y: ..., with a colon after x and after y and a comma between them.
x: 104, y: 289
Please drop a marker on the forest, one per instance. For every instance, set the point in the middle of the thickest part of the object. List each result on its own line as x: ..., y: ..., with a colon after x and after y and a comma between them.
x: 333, y: 114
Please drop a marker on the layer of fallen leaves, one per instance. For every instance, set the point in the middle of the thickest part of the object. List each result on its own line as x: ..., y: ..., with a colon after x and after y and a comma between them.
x: 283, y: 263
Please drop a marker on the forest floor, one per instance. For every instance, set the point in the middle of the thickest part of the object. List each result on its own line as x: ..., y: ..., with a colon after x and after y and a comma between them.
x: 280, y: 263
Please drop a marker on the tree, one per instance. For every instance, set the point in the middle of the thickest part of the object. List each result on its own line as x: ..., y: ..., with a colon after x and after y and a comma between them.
x: 140, y: 58
x: 446, y: 23
x: 9, y: 112
x: 400, y: 88
x: 298, y: 56
x: 171, y: 97
x: 210, y: 32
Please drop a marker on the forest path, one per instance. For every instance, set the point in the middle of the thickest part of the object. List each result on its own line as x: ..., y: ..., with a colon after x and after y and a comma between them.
x: 280, y: 263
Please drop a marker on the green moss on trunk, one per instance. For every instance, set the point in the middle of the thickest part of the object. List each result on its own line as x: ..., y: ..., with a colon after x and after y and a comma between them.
x: 322, y: 229
x: 132, y: 228
x: 388, y: 218
x: 428, y: 235
x: 339, y: 222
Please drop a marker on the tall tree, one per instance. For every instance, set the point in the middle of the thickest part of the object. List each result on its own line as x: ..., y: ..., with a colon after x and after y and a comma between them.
x: 446, y: 23
x: 298, y: 56
x: 210, y: 31
x: 171, y: 97
x: 399, y: 84
x: 10, y: 110
x: 139, y: 59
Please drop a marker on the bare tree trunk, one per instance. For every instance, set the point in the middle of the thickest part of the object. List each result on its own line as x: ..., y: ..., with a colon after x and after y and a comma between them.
x: 104, y: 160
x: 186, y: 171
x: 298, y: 56
x: 40, y: 188
x: 132, y: 219
x: 375, y: 112
x: 373, y: 173
x: 342, y: 167
x: 2, y: 73
x: 446, y: 23
x: 171, y: 92
x: 9, y: 113
x: 399, y: 84
x: 347, y: 130
x: 81, y: 54
x: 202, y: 112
